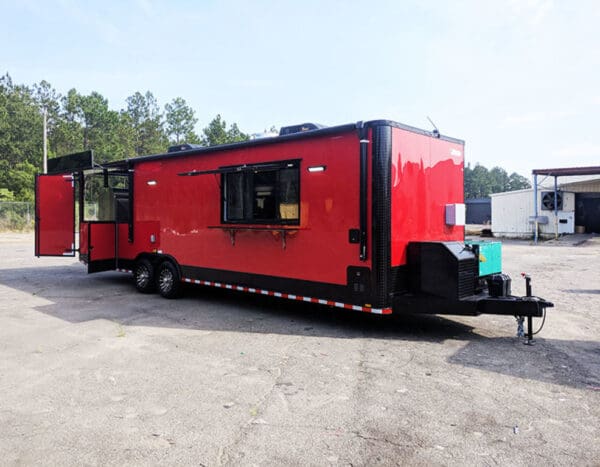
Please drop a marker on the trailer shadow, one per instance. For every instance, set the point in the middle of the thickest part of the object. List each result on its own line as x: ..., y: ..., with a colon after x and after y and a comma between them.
x: 71, y: 295
x: 75, y: 297
x: 573, y: 363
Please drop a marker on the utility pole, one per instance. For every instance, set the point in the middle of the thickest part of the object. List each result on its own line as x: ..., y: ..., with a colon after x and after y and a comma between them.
x: 45, y: 114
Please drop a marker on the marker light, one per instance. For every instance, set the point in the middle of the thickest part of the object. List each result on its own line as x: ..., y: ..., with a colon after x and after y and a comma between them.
x: 317, y: 168
x: 151, y: 182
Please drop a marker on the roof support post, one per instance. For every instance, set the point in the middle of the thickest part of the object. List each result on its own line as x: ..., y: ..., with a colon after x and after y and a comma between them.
x: 535, y: 209
x: 556, y: 206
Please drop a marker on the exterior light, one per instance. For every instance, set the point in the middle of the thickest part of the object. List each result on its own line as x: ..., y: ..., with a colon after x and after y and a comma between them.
x: 317, y: 168
x: 151, y: 182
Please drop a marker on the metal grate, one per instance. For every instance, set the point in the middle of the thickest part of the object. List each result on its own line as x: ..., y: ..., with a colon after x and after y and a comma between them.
x: 467, y: 276
x: 382, y: 166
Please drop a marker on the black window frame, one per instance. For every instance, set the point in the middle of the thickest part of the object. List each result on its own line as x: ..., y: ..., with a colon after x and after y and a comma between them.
x: 247, y: 172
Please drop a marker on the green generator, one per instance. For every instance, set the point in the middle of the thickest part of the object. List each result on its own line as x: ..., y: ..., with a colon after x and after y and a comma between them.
x: 489, y: 254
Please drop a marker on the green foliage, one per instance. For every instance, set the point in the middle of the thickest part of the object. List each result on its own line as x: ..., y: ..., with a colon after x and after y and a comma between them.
x: 517, y: 182
x: 90, y: 124
x: 77, y: 122
x: 15, y: 216
x: 180, y: 121
x: 18, y: 179
x: 146, y: 120
x: 481, y: 182
x: 217, y: 133
x: 6, y: 195
x: 20, y: 124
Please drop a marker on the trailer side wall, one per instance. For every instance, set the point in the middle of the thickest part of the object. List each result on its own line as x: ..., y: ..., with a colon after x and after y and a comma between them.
x: 184, y: 213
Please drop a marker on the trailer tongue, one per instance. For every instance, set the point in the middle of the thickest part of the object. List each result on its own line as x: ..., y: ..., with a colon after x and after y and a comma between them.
x: 459, y: 279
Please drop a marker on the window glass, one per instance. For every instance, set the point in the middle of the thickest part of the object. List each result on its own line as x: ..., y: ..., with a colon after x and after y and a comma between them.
x: 234, y: 196
x: 265, y: 195
x: 262, y: 195
x: 99, y: 200
x: 288, y: 198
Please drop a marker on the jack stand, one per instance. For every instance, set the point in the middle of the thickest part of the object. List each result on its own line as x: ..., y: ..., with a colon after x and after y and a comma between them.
x: 520, y: 328
x: 529, y: 340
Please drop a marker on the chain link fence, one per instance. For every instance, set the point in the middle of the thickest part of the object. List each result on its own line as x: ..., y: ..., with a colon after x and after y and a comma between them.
x: 15, y: 215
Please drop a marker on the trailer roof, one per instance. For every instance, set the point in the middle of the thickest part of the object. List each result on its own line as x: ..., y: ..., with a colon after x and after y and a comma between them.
x: 278, y: 139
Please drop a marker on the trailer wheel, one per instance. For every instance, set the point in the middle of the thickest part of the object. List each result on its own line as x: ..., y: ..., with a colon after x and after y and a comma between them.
x: 168, y: 280
x: 143, y: 275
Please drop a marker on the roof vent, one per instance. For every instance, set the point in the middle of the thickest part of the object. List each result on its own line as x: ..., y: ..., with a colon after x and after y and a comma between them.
x: 184, y: 147
x: 289, y: 130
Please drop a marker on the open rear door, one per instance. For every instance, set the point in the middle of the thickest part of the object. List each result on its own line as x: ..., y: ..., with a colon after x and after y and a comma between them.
x: 55, y: 215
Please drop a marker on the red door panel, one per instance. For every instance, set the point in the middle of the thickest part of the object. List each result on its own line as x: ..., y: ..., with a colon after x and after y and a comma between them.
x: 102, y: 241
x: 101, y: 246
x: 54, y: 215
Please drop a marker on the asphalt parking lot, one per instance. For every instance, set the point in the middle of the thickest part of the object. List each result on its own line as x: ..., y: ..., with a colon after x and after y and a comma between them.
x: 93, y: 373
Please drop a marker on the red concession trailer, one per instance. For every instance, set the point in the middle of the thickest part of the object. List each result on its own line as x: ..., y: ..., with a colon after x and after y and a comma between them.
x: 366, y: 216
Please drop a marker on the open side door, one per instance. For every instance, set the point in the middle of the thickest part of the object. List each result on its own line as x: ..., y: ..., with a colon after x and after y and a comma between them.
x: 55, y: 215
x: 102, y: 246
x: 106, y: 209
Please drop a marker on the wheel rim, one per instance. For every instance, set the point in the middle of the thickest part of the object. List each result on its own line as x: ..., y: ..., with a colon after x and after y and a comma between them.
x: 165, y: 280
x: 142, y: 277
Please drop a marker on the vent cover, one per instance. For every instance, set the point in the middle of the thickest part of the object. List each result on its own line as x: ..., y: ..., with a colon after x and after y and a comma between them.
x: 548, y: 200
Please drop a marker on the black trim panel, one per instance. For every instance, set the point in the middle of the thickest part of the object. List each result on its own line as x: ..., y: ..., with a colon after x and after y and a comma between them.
x: 381, y: 214
x: 126, y: 264
x: 471, y: 306
x: 101, y: 265
x: 399, y: 279
x: 70, y: 163
x: 322, y: 290
x: 363, y: 134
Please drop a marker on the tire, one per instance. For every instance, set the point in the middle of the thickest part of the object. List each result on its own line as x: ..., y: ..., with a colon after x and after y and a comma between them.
x: 143, y: 276
x: 168, y: 280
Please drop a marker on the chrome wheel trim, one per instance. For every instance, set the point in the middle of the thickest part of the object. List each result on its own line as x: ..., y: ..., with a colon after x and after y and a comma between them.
x: 142, y: 276
x: 165, y: 280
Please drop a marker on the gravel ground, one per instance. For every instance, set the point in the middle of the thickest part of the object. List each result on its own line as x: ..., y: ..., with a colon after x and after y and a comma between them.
x: 92, y: 373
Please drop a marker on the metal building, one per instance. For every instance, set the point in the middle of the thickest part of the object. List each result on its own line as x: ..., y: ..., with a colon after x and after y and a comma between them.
x: 479, y: 210
x: 552, y: 207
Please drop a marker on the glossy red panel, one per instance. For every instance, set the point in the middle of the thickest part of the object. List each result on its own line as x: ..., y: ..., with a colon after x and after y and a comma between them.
x: 128, y: 249
x: 102, y: 241
x: 83, y: 238
x: 55, y: 215
x: 184, y: 213
x: 427, y: 174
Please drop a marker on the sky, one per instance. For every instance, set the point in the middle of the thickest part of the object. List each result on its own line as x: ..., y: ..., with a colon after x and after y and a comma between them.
x: 519, y: 81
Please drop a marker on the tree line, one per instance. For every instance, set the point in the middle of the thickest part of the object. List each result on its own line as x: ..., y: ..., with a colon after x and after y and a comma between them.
x: 78, y: 122
x: 481, y: 182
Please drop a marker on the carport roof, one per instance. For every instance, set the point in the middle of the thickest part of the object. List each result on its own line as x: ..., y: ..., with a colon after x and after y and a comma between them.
x: 566, y: 171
